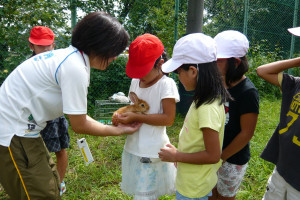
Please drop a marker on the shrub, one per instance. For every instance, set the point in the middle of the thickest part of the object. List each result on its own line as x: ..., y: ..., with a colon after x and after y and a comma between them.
x: 259, y: 54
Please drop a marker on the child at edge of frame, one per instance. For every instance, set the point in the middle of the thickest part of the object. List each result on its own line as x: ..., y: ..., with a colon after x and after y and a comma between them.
x: 201, y: 137
x: 144, y: 175
x: 283, y: 148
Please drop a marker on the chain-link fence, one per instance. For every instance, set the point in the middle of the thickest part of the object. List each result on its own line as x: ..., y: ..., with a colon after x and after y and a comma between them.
x: 265, y: 23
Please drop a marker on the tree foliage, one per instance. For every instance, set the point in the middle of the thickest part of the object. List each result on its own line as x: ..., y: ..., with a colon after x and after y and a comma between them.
x: 17, y: 17
x: 267, y: 23
x: 143, y: 16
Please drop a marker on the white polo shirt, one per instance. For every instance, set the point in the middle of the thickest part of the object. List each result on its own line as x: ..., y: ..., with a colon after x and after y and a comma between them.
x: 43, y: 88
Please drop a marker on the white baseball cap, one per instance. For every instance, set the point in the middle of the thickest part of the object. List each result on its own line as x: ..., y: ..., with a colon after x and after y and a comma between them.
x: 194, y: 48
x: 295, y: 31
x: 231, y: 44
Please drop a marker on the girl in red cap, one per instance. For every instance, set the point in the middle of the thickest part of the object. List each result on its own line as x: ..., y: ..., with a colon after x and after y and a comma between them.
x: 144, y: 175
x: 45, y: 87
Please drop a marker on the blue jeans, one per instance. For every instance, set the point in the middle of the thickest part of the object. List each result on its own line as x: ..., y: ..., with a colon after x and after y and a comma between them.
x: 181, y: 197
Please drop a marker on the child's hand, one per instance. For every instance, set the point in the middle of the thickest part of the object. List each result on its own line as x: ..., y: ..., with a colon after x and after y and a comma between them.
x: 168, y: 153
x: 127, y: 118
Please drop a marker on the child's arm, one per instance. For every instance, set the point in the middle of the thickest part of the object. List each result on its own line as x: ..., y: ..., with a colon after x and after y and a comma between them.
x: 164, y: 119
x: 210, y: 155
x: 248, y: 123
x: 270, y: 71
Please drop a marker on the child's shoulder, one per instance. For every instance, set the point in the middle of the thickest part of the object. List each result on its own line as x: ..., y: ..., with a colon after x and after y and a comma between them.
x: 288, y: 81
x: 166, y: 79
x: 212, y: 106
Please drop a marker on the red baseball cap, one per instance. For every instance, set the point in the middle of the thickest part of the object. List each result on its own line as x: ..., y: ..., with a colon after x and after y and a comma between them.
x: 41, y: 35
x: 143, y: 52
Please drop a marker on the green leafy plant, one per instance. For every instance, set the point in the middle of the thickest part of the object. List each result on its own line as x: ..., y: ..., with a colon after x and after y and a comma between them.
x: 259, y: 54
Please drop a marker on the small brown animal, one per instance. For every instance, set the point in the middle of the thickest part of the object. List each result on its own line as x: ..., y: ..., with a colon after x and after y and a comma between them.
x: 138, y: 106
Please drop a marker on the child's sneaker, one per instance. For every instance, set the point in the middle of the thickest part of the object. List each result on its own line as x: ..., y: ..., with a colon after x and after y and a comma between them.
x: 62, y: 188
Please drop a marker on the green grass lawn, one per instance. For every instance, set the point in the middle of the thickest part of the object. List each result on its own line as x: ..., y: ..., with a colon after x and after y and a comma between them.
x: 100, y: 179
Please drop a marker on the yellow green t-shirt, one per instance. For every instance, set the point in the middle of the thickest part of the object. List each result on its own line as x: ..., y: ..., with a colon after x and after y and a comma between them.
x: 195, y: 181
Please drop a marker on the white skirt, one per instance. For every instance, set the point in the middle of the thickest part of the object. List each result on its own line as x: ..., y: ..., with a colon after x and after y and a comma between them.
x: 146, y: 178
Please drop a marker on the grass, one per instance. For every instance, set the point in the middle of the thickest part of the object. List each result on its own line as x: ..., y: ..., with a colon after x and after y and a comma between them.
x: 258, y: 171
x: 100, y: 180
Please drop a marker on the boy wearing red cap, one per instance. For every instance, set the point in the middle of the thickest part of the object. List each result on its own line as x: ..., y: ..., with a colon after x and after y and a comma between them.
x: 144, y: 175
x: 41, y: 39
x: 55, y: 134
x: 283, y: 148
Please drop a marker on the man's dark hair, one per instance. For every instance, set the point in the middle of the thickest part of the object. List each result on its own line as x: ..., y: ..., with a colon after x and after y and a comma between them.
x: 101, y: 35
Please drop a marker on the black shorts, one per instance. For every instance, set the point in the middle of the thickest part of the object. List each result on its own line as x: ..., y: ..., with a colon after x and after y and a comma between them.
x: 56, y: 135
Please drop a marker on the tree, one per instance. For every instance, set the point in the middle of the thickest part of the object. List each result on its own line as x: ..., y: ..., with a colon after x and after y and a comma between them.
x: 17, y: 17
x: 162, y: 21
x: 143, y: 16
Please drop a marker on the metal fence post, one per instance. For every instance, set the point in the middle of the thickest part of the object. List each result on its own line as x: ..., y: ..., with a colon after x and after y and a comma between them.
x: 73, y: 13
x: 295, y: 20
x: 195, y: 16
x: 176, y: 27
x: 176, y: 21
x: 246, y: 16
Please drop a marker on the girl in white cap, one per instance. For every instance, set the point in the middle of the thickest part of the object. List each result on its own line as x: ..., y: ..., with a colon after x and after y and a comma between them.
x: 241, y: 113
x: 201, y: 137
x: 283, y: 149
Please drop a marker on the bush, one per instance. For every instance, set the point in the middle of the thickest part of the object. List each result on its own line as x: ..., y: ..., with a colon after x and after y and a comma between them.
x: 260, y: 55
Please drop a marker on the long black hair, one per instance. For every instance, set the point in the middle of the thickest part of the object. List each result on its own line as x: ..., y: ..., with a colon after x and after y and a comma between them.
x: 101, y: 35
x: 209, y: 84
x: 235, y: 73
